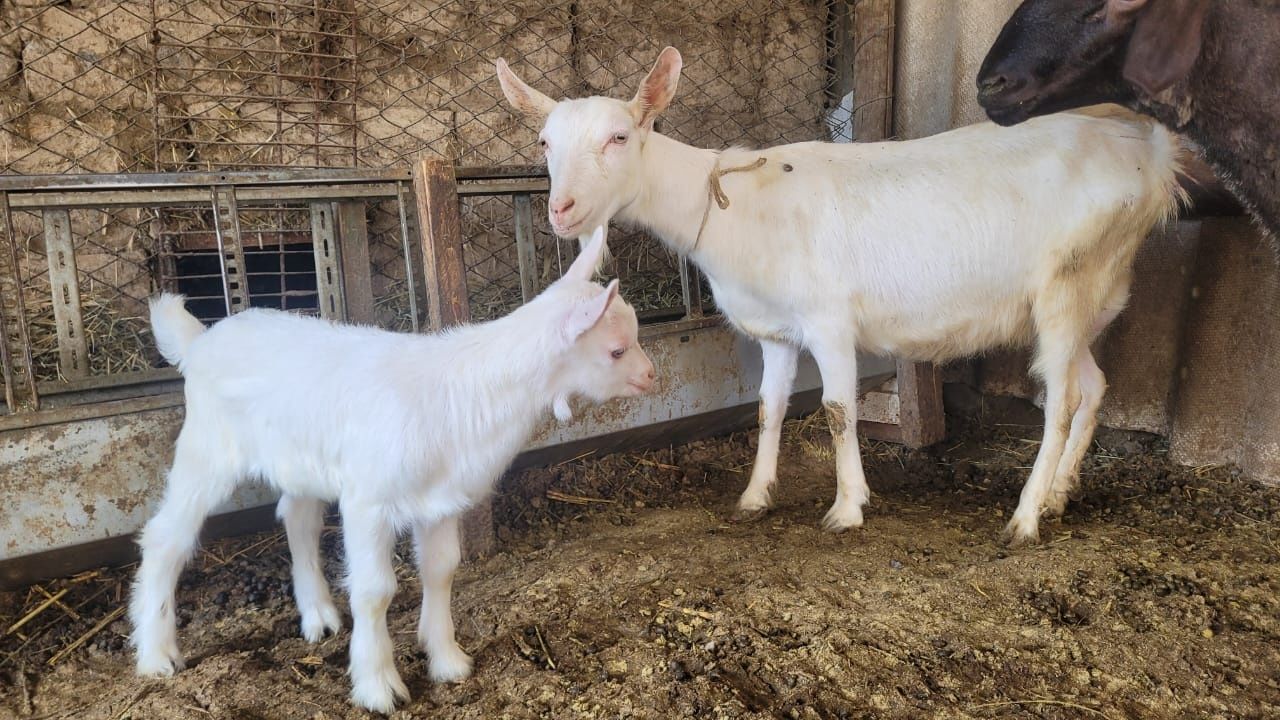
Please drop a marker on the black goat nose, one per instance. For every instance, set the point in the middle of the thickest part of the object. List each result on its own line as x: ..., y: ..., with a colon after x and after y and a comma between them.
x: 992, y: 84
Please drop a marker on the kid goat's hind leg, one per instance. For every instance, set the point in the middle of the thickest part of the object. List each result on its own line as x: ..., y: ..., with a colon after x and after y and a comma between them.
x: 195, y: 487
x: 303, y: 520
x: 439, y: 552
x: 371, y: 581
x: 775, y: 390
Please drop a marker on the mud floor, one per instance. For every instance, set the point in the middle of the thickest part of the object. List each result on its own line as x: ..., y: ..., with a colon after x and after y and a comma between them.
x: 620, y: 590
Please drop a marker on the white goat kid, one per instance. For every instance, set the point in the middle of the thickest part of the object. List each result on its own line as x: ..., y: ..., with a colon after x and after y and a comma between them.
x: 926, y: 249
x: 403, y: 431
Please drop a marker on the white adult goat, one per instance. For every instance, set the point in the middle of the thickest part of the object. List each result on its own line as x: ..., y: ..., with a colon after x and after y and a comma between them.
x: 404, y: 431
x: 927, y: 249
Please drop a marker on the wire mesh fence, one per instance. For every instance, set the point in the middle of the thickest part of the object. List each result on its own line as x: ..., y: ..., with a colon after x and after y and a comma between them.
x: 198, y: 85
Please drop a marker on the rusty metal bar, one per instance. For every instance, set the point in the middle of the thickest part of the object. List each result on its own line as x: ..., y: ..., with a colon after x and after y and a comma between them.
x: 526, y: 254
x: 249, y: 195
x: 64, y: 287
x: 20, y: 383
x: 245, y: 50
x: 402, y: 205
x: 690, y: 288
x: 328, y: 265
x: 230, y: 252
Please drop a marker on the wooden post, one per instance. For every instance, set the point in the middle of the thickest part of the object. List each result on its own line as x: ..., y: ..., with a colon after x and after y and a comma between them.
x: 357, y: 273
x: 324, y: 245
x: 440, y: 227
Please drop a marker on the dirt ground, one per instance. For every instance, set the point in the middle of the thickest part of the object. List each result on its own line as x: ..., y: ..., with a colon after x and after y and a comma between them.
x: 620, y: 590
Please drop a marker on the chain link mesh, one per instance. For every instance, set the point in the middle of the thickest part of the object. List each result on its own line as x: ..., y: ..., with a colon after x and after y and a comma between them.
x: 173, y: 85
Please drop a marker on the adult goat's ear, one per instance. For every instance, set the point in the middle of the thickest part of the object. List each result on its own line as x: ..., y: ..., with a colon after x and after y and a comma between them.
x: 584, y: 314
x: 1165, y: 42
x: 584, y: 267
x: 520, y: 95
x: 658, y: 88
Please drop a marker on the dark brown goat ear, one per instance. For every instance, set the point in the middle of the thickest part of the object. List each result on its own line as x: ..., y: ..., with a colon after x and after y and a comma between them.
x: 1165, y: 43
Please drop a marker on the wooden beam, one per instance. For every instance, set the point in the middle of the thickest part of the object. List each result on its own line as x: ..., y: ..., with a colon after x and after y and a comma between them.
x: 357, y: 271
x: 440, y: 227
x: 873, y: 46
x: 921, y: 414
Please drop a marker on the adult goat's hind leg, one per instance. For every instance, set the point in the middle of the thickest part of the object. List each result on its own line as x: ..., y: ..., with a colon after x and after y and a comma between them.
x: 775, y: 391
x: 837, y: 361
x: 1092, y: 385
x: 303, y: 520
x: 1054, y: 360
x: 195, y: 486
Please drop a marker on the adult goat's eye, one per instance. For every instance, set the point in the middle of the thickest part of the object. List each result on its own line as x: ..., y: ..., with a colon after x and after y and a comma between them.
x: 620, y: 138
x: 618, y: 353
x: 542, y: 143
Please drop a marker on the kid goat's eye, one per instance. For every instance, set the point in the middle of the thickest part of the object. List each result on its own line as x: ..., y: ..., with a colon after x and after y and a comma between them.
x: 620, y: 138
x: 542, y: 143
x: 618, y: 353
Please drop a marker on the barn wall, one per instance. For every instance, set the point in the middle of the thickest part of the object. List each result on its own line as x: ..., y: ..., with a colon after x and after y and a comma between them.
x: 1193, y: 357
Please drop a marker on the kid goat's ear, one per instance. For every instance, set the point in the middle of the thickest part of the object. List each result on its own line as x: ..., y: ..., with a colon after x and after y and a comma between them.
x: 589, y: 260
x: 584, y: 314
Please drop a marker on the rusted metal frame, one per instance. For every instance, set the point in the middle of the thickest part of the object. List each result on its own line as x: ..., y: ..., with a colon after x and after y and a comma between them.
x: 526, y: 252
x: 50, y: 388
x: 353, y: 254
x: 252, y: 195
x: 440, y: 236
x: 72, y: 413
x: 230, y: 251
x: 515, y: 187
x: 64, y: 290
x: 402, y: 207
x: 690, y: 288
x: 138, y: 181
x: 328, y: 266
x: 19, y: 378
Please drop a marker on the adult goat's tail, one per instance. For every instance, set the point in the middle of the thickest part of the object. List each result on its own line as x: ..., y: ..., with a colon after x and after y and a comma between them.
x: 173, y: 327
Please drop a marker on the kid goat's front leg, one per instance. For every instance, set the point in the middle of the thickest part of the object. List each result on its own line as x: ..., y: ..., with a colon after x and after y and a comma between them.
x: 439, y: 552
x: 837, y: 360
x: 371, y: 581
x: 775, y: 389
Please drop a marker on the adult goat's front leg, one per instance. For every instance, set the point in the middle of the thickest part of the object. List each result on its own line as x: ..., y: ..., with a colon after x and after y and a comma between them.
x: 775, y: 391
x: 371, y: 581
x: 838, y: 363
x: 439, y: 552
x: 303, y: 520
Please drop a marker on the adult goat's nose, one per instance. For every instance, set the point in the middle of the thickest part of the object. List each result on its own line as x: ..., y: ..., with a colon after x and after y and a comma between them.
x: 992, y: 84
x: 560, y: 207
